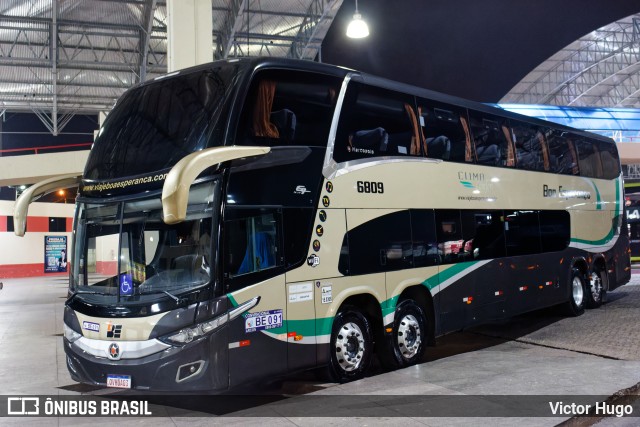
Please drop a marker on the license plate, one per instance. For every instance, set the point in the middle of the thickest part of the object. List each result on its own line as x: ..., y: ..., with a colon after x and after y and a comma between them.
x: 264, y: 320
x: 119, y: 381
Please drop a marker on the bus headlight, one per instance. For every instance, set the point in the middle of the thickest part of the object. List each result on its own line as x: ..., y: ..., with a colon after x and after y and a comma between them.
x: 70, y: 334
x: 189, y: 334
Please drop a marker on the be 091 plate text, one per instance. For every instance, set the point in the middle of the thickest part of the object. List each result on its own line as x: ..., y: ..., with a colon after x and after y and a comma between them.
x: 263, y: 320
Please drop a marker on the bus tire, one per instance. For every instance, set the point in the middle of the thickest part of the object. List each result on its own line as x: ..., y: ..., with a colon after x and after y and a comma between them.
x: 597, y: 287
x: 408, y: 340
x: 577, y: 294
x: 351, y: 345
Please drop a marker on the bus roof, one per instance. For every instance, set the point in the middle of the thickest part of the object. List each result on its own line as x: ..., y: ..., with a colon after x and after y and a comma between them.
x: 254, y: 64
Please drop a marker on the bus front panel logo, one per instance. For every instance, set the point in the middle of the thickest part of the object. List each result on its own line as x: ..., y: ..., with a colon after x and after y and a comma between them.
x: 114, y: 351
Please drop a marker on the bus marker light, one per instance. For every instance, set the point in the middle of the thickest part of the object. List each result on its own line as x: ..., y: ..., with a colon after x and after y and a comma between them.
x: 297, y: 338
x: 524, y: 288
x: 389, y: 330
x: 499, y: 293
x: 291, y: 335
x: 244, y: 343
x: 541, y: 287
x: 549, y: 283
x: 468, y: 300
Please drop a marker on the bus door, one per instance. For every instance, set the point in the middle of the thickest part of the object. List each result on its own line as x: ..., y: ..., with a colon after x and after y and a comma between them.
x: 483, y: 232
x: 455, y: 284
x: 523, y: 249
x: 254, y: 267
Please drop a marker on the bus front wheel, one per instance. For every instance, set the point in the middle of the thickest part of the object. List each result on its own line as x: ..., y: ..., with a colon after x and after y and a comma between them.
x: 407, y: 342
x: 351, y: 345
x: 577, y: 294
x: 597, y: 287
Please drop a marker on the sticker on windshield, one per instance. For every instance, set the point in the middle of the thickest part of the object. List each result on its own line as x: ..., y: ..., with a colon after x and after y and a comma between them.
x: 126, y: 285
x: 139, y: 272
x: 263, y: 320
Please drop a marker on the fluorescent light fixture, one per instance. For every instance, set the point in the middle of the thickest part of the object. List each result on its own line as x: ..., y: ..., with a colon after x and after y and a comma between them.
x: 357, y: 28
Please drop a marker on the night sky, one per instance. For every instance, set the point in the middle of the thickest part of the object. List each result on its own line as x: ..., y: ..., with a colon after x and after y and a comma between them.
x: 475, y: 49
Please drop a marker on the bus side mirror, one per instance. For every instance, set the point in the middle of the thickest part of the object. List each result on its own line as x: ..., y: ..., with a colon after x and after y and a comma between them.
x: 175, y: 191
x: 21, y: 209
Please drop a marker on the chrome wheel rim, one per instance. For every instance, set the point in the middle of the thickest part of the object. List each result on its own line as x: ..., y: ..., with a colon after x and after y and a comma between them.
x: 409, y: 336
x: 349, y: 347
x: 578, y: 292
x: 596, y: 286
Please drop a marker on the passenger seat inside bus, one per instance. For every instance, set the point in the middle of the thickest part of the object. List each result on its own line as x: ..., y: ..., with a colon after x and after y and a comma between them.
x: 438, y: 147
x: 370, y: 141
x: 285, y: 121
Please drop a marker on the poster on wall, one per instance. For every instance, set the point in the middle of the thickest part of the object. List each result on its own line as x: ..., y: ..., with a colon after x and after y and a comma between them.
x: 55, y: 254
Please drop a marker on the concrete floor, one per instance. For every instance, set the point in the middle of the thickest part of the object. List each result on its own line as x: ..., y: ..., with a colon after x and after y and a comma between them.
x: 468, y: 373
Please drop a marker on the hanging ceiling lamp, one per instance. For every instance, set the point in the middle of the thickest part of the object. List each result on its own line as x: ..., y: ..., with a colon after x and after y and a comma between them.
x: 357, y: 28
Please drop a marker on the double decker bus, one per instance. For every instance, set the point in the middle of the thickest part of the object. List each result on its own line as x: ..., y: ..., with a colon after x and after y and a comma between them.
x: 249, y: 218
x: 632, y: 203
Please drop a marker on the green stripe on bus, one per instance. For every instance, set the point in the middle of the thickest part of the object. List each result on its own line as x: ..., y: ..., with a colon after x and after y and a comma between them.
x: 389, y: 306
x: 612, y: 231
x: 598, y: 199
x: 232, y: 300
x: 305, y: 327
x: 431, y: 282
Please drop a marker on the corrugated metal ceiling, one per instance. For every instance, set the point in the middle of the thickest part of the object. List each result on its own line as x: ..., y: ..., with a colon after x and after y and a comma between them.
x: 81, y: 55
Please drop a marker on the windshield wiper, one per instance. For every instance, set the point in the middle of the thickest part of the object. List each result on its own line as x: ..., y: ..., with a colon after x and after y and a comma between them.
x: 173, y: 297
x: 73, y: 295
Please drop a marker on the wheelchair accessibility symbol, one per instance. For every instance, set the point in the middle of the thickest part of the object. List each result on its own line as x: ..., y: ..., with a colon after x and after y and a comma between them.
x: 126, y: 287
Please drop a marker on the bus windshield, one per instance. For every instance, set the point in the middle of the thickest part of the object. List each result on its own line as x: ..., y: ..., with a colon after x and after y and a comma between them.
x: 124, y: 253
x: 155, y: 125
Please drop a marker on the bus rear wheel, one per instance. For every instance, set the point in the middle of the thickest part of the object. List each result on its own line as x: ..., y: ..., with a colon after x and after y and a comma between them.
x: 407, y: 343
x: 577, y: 294
x: 597, y: 287
x: 351, y: 345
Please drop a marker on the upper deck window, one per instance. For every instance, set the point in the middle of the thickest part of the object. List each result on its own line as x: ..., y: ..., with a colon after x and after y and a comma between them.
x: 445, y: 131
x: 285, y: 107
x: 155, y: 125
x: 376, y: 122
x: 493, y: 141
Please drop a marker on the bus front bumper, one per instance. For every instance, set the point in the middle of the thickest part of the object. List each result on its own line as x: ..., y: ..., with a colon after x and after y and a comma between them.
x: 198, y: 366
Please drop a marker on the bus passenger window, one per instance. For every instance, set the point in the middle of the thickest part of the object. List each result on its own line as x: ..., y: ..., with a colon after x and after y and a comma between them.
x: 562, y: 154
x: 376, y: 122
x: 528, y: 142
x: 449, y: 232
x: 522, y: 232
x: 589, y: 158
x: 423, y: 236
x: 483, y: 233
x: 493, y: 140
x: 251, y: 244
x: 288, y: 108
x: 555, y: 230
x: 609, y: 158
x: 381, y: 244
x: 442, y: 129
